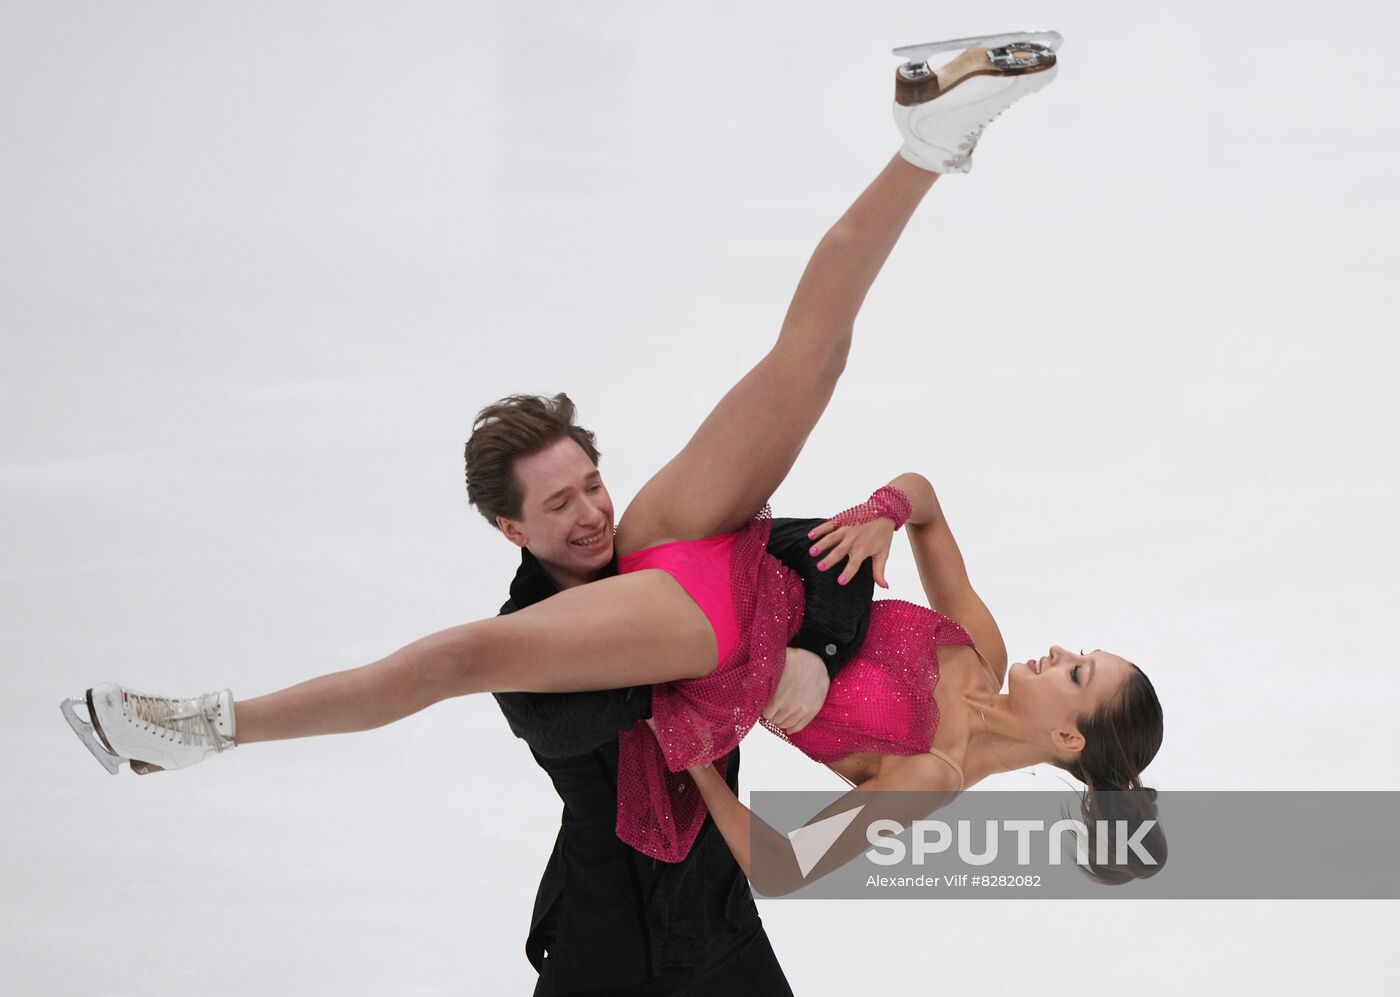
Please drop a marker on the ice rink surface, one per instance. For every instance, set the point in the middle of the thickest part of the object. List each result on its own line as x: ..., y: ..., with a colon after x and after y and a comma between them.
x: 261, y: 263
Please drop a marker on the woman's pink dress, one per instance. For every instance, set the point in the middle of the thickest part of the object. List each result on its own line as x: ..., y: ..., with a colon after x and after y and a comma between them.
x: 881, y: 701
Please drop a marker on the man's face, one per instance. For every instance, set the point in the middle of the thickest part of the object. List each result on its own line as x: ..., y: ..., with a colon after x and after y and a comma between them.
x: 566, y: 518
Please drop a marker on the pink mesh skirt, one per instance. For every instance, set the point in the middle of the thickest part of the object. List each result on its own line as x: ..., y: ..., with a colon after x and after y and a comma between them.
x: 659, y: 810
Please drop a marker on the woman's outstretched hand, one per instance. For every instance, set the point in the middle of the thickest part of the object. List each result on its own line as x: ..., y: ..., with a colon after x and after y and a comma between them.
x: 856, y: 545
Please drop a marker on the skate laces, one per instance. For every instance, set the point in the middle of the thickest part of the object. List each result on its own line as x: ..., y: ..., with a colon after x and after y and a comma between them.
x: 188, y: 721
x: 968, y: 145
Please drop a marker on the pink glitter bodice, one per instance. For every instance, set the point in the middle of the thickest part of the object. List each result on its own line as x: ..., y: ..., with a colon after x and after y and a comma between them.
x: 881, y: 701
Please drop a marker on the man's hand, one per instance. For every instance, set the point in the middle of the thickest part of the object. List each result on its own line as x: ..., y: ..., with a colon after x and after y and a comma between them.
x: 856, y: 544
x: 800, y: 693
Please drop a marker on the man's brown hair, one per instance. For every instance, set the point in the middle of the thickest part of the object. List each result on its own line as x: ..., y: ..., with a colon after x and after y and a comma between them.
x: 504, y: 431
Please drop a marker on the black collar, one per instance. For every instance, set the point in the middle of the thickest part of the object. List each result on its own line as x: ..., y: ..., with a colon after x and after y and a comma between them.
x: 533, y: 584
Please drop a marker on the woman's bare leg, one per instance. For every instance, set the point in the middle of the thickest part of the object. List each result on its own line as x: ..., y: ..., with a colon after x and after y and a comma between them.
x: 643, y: 627
x: 747, y: 445
x: 634, y: 629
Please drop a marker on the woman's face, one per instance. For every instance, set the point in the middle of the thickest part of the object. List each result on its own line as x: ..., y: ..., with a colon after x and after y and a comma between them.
x: 1053, y: 692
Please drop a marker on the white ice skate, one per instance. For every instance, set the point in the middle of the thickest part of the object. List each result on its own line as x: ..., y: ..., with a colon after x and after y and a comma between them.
x: 152, y: 731
x: 941, y: 112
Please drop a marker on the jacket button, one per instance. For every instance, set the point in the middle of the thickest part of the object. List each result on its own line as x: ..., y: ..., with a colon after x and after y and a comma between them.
x: 830, y: 650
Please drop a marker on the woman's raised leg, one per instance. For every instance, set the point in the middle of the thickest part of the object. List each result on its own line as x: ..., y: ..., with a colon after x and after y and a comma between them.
x: 746, y: 446
x: 589, y: 637
x: 634, y: 629
x: 744, y: 450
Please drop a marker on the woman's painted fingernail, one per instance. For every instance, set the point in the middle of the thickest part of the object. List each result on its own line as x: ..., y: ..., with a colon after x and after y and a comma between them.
x: 814, y: 551
x: 812, y: 535
x: 840, y: 581
x: 821, y: 565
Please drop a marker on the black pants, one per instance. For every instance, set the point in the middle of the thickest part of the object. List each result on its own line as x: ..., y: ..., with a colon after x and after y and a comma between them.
x: 751, y: 969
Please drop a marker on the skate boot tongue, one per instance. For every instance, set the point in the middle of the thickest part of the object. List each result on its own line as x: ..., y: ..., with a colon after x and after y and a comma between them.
x: 201, y: 719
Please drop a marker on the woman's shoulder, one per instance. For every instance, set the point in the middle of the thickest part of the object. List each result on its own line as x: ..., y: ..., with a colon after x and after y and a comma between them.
x: 949, y: 634
x: 932, y: 771
x: 990, y: 674
x: 985, y: 657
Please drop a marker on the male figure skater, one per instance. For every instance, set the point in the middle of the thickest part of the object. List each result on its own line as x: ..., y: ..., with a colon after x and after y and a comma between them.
x: 608, y: 919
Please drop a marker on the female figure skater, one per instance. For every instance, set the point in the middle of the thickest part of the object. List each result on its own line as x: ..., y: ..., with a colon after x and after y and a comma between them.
x: 699, y: 608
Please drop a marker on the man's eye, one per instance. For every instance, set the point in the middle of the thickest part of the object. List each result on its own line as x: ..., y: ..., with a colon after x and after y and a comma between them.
x: 1074, y: 675
x: 595, y: 488
x: 559, y: 508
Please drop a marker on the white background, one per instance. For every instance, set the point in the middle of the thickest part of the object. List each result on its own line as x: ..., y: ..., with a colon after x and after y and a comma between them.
x: 260, y: 264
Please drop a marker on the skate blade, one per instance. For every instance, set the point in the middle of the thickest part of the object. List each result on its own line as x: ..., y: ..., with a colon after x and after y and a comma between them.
x: 919, y: 53
x: 86, y: 733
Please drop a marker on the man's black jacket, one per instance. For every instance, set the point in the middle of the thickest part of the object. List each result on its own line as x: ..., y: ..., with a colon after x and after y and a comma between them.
x: 608, y: 915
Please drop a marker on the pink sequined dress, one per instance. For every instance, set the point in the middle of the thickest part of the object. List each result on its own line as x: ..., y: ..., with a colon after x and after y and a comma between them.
x: 880, y: 701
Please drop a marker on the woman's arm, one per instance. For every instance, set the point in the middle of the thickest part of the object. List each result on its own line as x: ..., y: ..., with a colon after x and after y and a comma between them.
x: 940, y: 562
x: 909, y: 789
x: 867, y: 531
x: 943, y: 573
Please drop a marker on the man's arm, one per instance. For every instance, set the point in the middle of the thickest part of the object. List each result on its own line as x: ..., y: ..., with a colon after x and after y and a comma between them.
x: 565, y: 724
x: 836, y: 616
x: 562, y: 725
x: 835, y: 619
